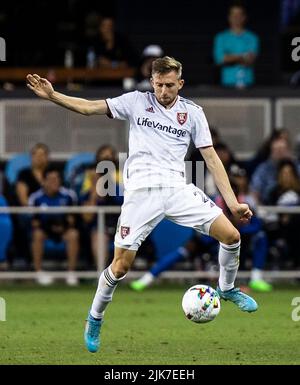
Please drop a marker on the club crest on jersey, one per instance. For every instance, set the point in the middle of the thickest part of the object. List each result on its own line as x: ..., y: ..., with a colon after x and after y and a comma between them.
x: 150, y: 109
x: 181, y: 117
x: 125, y: 231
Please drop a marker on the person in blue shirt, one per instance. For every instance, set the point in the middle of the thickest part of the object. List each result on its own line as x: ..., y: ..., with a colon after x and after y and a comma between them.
x: 6, y: 234
x: 264, y: 178
x: 59, y: 228
x: 93, y: 196
x: 235, y: 50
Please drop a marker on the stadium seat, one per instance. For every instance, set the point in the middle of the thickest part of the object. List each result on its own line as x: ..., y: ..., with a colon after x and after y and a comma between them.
x: 73, y: 163
x: 168, y: 236
x: 15, y: 165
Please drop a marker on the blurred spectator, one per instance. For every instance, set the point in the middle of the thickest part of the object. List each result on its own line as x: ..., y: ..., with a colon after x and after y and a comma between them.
x: 105, y: 153
x: 228, y: 160
x: 288, y: 12
x: 55, y: 227
x: 263, y: 152
x: 30, y: 179
x: 194, y: 156
x: 297, y: 147
x: 111, y: 48
x: 287, y: 189
x: 254, y: 238
x: 215, y: 136
x: 235, y: 50
x: 82, y: 178
x: 284, y: 231
x: 150, y: 53
x: 98, y: 193
x: 264, y: 177
x: 91, y: 26
x: 295, y: 79
x: 6, y: 234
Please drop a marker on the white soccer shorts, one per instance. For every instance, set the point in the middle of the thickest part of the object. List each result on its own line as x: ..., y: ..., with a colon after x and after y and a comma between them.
x: 143, y: 209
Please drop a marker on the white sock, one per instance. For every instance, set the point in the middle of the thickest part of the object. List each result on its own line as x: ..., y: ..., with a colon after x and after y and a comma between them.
x: 229, y: 264
x: 106, y: 287
x: 256, y: 275
x: 147, y: 279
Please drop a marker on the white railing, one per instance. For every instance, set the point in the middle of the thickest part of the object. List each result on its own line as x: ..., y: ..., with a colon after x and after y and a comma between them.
x: 100, y: 211
x: 102, y: 252
x: 262, y: 210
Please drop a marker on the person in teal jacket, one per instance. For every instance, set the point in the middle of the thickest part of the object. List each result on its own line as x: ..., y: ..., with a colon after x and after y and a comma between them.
x: 235, y: 50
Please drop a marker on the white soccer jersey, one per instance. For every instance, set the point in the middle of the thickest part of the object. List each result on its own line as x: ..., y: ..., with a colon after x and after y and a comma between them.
x: 158, y: 138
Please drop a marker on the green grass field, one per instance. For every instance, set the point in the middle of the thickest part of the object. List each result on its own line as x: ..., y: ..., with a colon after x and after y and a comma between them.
x: 45, y: 326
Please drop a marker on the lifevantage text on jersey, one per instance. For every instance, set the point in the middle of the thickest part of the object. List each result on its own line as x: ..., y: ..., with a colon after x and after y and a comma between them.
x: 172, y: 130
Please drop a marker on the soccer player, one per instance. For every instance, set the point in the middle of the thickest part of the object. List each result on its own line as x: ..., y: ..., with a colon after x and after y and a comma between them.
x: 162, y: 124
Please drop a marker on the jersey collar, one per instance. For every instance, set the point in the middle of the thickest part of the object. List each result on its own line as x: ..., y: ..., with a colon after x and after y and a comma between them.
x: 163, y: 107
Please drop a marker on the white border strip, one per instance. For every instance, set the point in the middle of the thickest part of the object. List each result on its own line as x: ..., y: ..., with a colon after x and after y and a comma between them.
x: 31, y: 275
x: 262, y: 210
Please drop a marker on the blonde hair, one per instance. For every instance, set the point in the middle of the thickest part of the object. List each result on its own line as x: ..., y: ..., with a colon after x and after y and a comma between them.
x: 165, y: 65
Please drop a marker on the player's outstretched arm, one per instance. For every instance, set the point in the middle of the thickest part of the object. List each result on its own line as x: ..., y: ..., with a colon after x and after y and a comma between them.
x: 44, y: 89
x: 215, y: 166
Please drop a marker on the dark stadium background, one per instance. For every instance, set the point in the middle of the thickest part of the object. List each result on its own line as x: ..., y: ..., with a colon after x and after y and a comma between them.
x: 38, y: 32
x: 45, y: 326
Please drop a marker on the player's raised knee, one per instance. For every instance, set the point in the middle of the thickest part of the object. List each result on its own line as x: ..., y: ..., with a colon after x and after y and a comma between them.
x: 120, y: 268
x: 232, y: 237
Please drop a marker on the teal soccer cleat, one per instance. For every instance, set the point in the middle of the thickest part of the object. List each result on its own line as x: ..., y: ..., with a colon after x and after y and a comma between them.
x: 242, y: 300
x: 92, y: 333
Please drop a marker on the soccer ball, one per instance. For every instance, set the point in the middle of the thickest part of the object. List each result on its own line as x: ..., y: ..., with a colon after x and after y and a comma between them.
x: 201, y: 303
